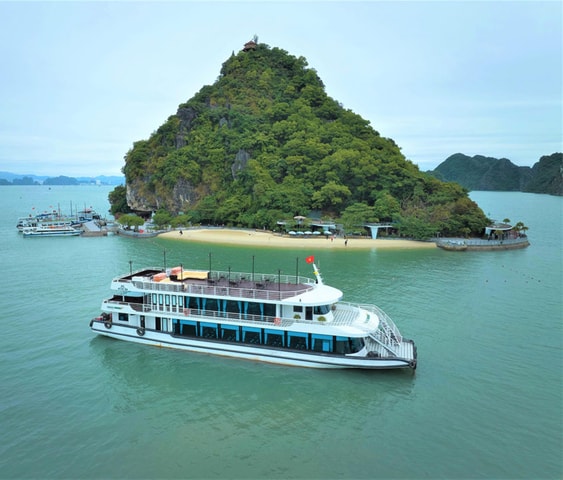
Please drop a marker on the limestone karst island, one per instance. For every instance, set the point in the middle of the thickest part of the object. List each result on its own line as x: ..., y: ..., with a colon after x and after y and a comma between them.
x: 265, y: 146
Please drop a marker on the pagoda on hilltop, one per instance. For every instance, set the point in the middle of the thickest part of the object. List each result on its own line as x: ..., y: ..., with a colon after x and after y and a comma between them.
x: 251, y: 45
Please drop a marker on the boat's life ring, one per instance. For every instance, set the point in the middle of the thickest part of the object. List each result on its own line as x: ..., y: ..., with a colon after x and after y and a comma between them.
x: 277, y: 321
x: 140, y: 332
x: 107, y: 325
x: 186, y: 311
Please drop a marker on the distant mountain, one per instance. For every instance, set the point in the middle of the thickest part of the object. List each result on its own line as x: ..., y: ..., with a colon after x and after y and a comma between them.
x: 487, y: 173
x: 26, y: 180
x: 547, y: 175
x: 61, y: 180
x: 103, y: 180
x: 9, y: 178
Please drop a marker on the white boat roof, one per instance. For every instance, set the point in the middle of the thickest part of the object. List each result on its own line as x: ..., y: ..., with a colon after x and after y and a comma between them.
x: 320, y: 295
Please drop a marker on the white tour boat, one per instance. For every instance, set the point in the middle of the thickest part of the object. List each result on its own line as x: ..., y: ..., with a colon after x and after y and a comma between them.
x: 51, y: 231
x: 56, y: 219
x: 281, y: 319
x: 40, y: 221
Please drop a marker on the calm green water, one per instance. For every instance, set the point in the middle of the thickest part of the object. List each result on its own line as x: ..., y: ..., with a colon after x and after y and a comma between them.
x: 485, y: 402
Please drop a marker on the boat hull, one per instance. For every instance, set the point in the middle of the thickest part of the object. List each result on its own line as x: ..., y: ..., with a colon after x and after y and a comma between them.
x: 51, y: 234
x: 248, y: 352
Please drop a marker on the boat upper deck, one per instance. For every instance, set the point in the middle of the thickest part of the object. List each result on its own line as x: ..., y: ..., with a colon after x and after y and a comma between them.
x: 218, y: 284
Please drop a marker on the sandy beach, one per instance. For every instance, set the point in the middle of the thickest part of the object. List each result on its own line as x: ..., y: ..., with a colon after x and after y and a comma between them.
x: 258, y: 238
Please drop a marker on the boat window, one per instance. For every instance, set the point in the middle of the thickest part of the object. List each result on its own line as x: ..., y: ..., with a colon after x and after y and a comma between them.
x: 356, y: 344
x: 192, y: 302
x: 233, y: 306
x: 209, y: 304
x: 342, y: 345
x: 154, y: 298
x: 230, y: 333
x: 308, y: 313
x: 208, y: 330
x: 297, y: 308
x: 298, y: 340
x: 251, y: 335
x: 222, y: 306
x: 160, y: 298
x: 167, y: 299
x: 269, y: 310
x: 174, y: 300
x: 348, y: 345
x: 255, y: 308
x: 273, y: 338
x: 188, y: 328
x: 123, y: 317
x: 321, y: 309
x: 322, y: 343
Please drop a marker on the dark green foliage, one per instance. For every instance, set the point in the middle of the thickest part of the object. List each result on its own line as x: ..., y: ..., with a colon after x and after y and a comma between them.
x: 483, y: 173
x: 162, y: 219
x: 265, y: 142
x: 130, y: 220
x: 486, y: 173
x: 118, y: 200
x: 547, y: 175
x: 356, y: 215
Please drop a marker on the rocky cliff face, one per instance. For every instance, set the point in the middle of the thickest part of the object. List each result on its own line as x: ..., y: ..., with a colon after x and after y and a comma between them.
x: 136, y: 200
x: 139, y: 200
x: 187, y: 115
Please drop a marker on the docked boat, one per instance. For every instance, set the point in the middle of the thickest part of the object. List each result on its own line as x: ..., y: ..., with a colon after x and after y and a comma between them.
x: 43, y: 221
x: 51, y: 231
x: 282, y: 319
x: 56, y: 219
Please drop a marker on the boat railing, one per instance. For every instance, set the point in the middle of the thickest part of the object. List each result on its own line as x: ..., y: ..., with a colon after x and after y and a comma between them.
x: 234, y: 276
x: 202, y: 314
x: 261, y: 278
x: 345, y: 313
x: 480, y: 242
x: 260, y: 292
x: 236, y: 317
x: 261, y: 288
x: 387, y: 332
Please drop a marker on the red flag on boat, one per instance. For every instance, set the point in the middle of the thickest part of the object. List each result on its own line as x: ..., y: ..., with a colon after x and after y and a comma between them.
x: 310, y: 259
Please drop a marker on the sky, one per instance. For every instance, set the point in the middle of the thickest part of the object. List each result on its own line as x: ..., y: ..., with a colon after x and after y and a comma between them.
x: 80, y: 82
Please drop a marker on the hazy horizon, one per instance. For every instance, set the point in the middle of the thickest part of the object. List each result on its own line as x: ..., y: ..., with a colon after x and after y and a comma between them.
x: 83, y: 81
